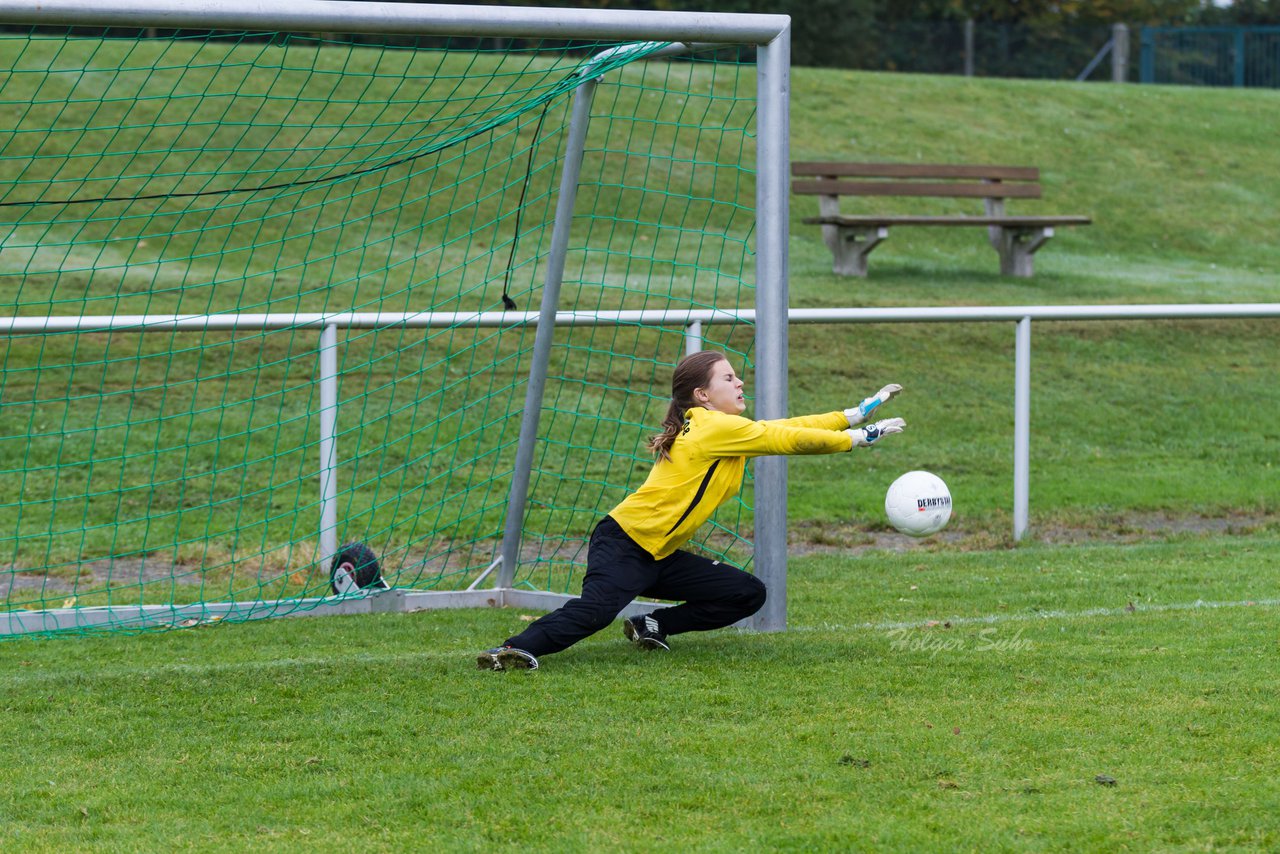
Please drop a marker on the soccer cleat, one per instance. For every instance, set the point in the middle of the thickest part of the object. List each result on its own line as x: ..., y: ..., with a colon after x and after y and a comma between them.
x: 506, y: 658
x: 643, y: 632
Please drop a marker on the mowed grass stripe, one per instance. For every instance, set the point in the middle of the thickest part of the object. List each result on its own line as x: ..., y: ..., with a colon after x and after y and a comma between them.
x: 459, y: 654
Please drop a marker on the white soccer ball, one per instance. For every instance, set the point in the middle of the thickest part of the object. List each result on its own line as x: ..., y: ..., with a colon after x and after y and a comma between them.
x: 918, y: 504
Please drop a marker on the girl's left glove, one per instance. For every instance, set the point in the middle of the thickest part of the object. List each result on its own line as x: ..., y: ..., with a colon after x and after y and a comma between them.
x: 859, y: 413
x: 870, y: 434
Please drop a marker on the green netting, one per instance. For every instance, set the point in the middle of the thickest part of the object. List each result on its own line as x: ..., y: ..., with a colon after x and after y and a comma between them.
x: 242, y: 175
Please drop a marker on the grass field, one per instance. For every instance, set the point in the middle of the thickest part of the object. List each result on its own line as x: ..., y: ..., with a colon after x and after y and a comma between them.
x: 960, y: 701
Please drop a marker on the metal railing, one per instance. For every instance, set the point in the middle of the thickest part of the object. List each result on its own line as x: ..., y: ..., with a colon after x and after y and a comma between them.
x: 1022, y: 316
x: 693, y: 321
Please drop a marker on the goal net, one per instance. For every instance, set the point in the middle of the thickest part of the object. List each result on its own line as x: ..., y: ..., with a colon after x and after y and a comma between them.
x: 270, y: 293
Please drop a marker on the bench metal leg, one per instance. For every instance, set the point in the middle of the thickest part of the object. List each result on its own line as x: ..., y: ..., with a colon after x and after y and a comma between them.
x: 851, y: 246
x: 1017, y: 246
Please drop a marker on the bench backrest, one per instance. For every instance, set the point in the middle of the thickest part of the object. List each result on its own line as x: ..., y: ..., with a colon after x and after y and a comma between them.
x: 916, y: 179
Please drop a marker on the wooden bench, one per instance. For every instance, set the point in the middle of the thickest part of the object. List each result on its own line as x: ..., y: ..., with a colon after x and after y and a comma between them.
x: 852, y: 237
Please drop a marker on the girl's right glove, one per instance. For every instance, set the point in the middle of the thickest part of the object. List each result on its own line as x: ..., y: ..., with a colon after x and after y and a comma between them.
x: 858, y: 414
x: 869, y: 434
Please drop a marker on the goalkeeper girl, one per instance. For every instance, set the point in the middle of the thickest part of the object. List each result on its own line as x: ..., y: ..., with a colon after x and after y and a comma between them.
x: 636, y: 549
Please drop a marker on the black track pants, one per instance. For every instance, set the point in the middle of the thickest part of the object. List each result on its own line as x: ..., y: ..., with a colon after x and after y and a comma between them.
x: 714, y: 594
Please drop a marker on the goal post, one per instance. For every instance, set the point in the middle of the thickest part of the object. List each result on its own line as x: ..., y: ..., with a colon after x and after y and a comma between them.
x: 279, y: 287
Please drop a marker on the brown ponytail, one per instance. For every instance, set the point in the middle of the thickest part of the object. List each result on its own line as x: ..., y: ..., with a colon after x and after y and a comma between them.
x: 691, y: 373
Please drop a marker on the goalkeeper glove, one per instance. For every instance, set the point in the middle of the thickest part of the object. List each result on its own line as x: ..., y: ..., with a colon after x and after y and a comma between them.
x: 859, y: 413
x: 865, y: 436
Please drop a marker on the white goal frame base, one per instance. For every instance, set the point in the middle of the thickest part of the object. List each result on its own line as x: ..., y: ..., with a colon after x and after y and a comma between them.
x: 143, y: 617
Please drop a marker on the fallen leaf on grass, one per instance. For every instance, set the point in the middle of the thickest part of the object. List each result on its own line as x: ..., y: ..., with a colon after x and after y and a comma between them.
x: 193, y: 621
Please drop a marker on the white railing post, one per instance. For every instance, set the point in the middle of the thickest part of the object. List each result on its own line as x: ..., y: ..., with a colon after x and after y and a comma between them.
x: 693, y: 338
x: 1022, y: 428
x: 328, y: 381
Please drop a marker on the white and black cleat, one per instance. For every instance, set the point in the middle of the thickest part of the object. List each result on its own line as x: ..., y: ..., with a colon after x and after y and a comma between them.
x: 506, y: 658
x: 643, y: 632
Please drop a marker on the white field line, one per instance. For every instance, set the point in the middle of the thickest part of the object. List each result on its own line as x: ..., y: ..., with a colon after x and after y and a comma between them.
x: 466, y: 656
x: 1031, y: 617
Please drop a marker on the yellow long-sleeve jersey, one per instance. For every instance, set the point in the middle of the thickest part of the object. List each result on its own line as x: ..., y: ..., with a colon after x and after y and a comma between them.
x: 707, y: 462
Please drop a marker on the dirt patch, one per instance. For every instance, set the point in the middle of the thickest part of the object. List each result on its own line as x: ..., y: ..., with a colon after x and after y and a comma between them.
x: 812, y: 538
x: 90, y: 575
x: 1137, y: 527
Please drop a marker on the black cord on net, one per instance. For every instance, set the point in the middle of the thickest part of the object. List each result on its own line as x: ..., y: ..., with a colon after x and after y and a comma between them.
x: 507, y: 302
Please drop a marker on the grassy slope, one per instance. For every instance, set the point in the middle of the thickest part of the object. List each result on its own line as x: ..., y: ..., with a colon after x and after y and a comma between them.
x: 1177, y: 181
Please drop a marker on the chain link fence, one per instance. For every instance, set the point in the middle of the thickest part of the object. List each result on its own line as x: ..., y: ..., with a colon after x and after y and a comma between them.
x: 1189, y: 56
x: 1211, y: 56
x: 962, y: 47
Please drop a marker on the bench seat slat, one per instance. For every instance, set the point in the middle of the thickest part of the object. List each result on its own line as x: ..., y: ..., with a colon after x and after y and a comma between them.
x: 916, y: 188
x: 916, y: 170
x: 1004, y: 221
